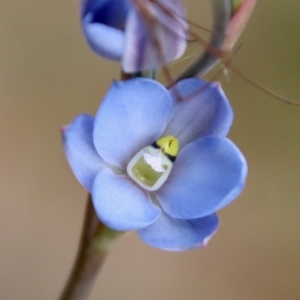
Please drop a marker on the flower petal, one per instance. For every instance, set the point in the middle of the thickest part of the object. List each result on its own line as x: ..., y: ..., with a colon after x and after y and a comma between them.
x: 156, y: 38
x: 201, y: 109
x: 208, y: 174
x: 120, y: 204
x: 80, y: 150
x: 103, y: 24
x: 133, y: 115
x: 179, y: 235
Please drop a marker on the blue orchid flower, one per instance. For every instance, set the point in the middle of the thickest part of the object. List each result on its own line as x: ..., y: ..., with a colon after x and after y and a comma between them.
x: 144, y: 35
x: 158, y: 161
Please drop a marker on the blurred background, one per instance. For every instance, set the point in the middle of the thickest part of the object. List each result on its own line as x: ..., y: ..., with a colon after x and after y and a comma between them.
x: 48, y: 75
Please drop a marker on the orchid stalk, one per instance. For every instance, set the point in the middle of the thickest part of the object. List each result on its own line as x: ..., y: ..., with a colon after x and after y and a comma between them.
x: 230, y: 19
x: 153, y: 160
x: 95, y: 244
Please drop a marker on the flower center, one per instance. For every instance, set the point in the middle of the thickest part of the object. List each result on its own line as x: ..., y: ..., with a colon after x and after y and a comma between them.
x: 151, y: 166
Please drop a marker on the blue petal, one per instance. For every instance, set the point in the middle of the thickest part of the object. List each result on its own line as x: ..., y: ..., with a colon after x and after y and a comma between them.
x: 120, y: 204
x: 133, y: 114
x: 154, y: 41
x: 201, y: 109
x: 179, y: 235
x: 103, y: 24
x: 208, y: 174
x: 80, y: 150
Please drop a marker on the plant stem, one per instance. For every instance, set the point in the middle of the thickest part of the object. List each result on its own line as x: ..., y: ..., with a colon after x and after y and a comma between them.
x: 95, y: 243
x: 222, y: 10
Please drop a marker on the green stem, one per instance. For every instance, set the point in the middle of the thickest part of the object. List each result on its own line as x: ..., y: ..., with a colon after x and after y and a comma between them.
x: 95, y: 244
x: 222, y: 11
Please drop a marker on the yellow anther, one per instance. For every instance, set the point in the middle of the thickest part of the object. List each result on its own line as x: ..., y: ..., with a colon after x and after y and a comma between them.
x: 169, y: 145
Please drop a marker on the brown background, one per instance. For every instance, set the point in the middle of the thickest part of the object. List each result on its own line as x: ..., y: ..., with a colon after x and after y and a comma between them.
x: 48, y: 75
